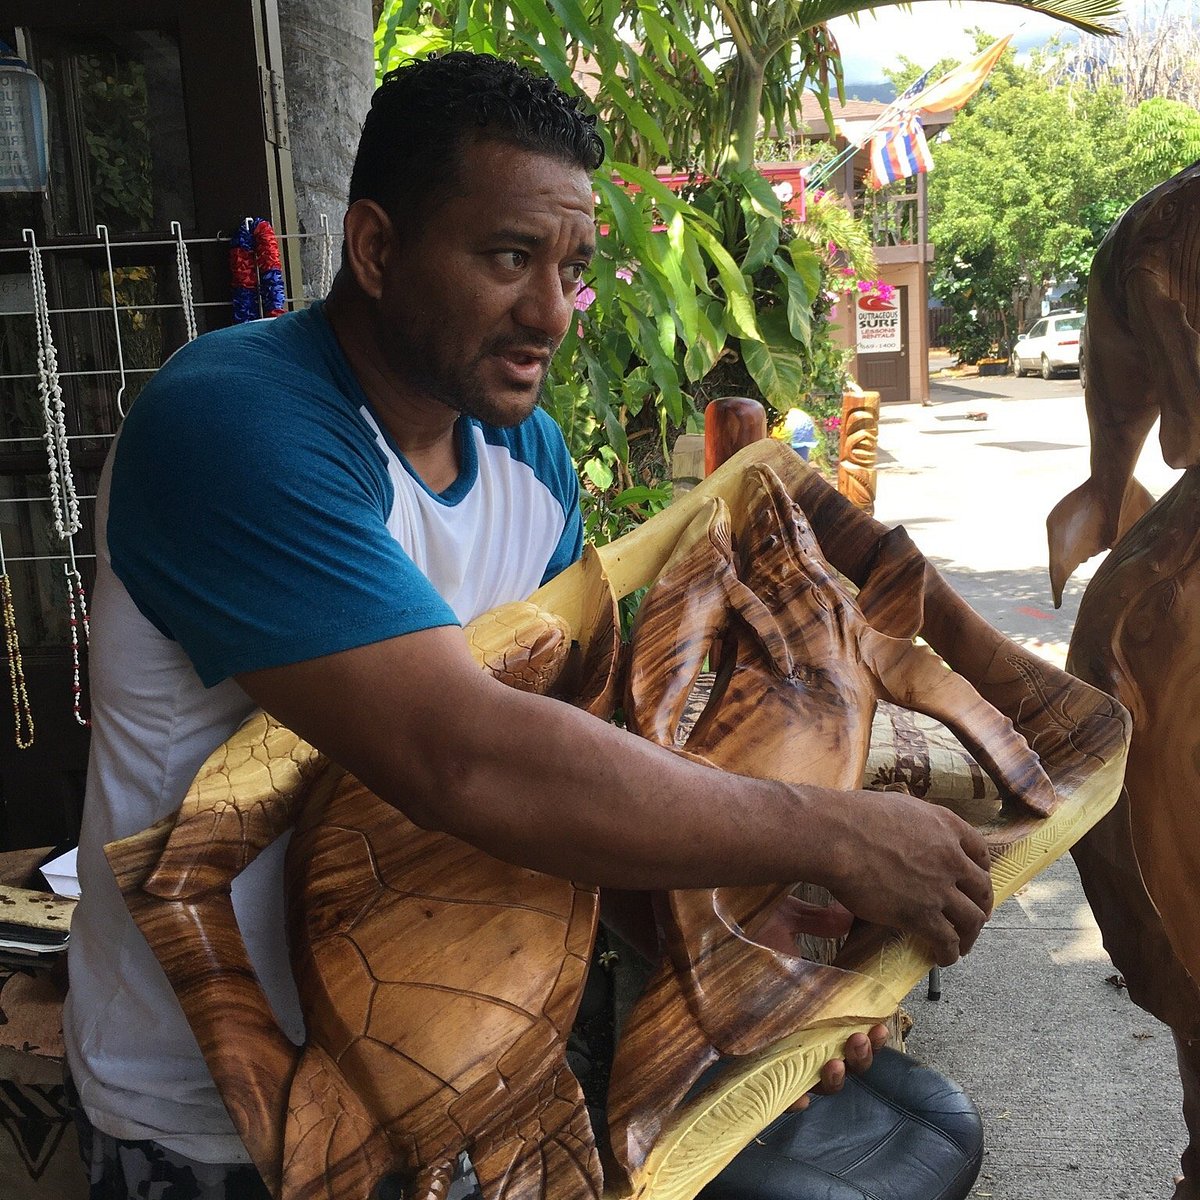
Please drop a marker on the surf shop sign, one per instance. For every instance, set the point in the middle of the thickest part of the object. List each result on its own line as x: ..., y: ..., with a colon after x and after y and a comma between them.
x: 878, y: 324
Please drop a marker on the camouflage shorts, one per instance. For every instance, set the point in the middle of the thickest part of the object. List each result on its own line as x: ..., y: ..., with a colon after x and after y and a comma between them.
x: 123, y: 1170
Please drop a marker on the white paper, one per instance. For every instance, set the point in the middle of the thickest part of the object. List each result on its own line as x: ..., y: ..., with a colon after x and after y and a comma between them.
x: 60, y: 874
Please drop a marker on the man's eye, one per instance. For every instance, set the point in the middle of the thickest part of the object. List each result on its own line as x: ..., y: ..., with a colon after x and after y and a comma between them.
x: 516, y: 259
x: 574, y: 272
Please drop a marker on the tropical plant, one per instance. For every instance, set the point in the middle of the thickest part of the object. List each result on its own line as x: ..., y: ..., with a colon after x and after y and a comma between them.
x: 681, y: 283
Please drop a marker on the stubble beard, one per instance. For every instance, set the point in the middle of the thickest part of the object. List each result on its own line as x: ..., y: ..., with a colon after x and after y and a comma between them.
x: 460, y: 388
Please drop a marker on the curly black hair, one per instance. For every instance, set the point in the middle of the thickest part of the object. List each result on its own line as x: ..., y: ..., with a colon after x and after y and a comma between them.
x: 425, y: 112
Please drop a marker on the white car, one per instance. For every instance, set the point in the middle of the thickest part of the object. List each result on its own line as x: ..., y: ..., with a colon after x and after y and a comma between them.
x: 1050, y: 345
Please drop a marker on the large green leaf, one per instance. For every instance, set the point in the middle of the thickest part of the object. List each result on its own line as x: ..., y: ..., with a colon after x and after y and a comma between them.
x: 739, y: 307
x: 775, y: 363
x: 673, y: 261
x: 710, y: 339
x: 1084, y: 14
x: 764, y: 238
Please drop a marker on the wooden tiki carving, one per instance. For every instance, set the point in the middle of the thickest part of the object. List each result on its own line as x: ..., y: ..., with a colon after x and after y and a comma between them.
x: 426, y: 1034
x: 858, y: 448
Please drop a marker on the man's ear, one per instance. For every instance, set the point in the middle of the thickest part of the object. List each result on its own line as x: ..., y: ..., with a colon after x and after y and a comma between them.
x: 370, y: 240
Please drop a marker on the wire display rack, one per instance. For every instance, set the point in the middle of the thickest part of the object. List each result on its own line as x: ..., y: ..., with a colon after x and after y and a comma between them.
x: 85, y: 322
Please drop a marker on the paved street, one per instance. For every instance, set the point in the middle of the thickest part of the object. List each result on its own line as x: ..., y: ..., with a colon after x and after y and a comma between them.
x: 1077, y: 1086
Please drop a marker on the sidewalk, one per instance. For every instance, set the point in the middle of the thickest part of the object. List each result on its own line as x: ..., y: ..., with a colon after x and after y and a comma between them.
x: 1078, y: 1087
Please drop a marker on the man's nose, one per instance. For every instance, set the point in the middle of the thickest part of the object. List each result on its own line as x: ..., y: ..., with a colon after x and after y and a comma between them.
x: 544, y: 306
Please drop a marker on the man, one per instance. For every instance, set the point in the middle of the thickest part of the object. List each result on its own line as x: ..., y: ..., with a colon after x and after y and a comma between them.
x: 297, y: 516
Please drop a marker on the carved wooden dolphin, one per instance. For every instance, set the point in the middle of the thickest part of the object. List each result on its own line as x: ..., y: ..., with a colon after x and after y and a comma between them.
x: 1141, y: 356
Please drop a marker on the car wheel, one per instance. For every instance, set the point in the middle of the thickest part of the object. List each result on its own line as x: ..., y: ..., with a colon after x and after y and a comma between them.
x: 1014, y: 365
x: 1047, y: 369
x: 1082, y: 375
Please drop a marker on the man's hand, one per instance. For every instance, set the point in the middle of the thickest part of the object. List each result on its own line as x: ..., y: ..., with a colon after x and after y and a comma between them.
x: 915, y: 867
x: 858, y: 1055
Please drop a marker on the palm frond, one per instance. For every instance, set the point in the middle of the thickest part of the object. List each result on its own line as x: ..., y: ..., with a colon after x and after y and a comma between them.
x: 1088, y: 15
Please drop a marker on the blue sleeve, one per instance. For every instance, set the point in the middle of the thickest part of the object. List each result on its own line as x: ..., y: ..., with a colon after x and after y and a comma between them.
x: 247, y: 522
x: 570, y: 545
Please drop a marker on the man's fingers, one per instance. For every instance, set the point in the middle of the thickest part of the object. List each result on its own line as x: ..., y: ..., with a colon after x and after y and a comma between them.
x: 973, y: 843
x: 833, y: 1075
x: 858, y: 1053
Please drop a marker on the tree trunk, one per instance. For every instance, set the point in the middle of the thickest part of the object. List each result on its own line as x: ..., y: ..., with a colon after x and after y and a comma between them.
x: 745, y: 101
x: 329, y: 74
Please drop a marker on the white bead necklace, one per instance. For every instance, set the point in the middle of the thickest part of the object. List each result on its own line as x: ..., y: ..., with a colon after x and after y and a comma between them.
x: 64, y: 504
x: 22, y: 713
x: 183, y: 270
x: 77, y: 602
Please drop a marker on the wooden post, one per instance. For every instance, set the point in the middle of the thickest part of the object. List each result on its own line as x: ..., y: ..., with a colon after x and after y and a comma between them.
x: 730, y: 424
x: 857, y: 449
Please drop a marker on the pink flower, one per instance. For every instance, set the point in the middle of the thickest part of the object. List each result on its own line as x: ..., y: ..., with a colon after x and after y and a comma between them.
x: 584, y: 298
x: 864, y: 285
x: 625, y: 273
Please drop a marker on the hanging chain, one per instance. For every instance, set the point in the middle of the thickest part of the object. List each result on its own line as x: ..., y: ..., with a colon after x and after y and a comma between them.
x: 77, y: 600
x: 22, y: 713
x: 58, y: 453
x: 183, y: 269
x: 325, y: 280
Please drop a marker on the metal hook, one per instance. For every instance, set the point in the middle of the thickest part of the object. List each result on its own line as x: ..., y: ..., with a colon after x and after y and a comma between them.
x: 102, y: 231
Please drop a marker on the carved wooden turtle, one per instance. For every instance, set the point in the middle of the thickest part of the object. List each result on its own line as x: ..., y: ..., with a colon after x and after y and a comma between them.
x: 437, y: 983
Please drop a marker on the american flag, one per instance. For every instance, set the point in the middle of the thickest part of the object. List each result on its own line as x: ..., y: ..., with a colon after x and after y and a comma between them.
x: 913, y: 89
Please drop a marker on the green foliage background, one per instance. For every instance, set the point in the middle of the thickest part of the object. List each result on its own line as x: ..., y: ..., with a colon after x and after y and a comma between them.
x: 1033, y: 175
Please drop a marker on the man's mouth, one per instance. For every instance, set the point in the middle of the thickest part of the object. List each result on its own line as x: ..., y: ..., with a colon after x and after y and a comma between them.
x: 524, y: 365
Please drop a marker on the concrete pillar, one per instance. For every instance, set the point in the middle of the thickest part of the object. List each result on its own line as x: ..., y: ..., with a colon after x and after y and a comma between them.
x: 329, y: 74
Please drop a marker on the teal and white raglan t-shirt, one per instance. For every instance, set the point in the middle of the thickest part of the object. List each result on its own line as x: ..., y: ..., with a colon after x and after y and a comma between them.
x: 254, y: 513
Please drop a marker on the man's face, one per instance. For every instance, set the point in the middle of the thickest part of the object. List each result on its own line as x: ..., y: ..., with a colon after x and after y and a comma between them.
x: 475, y: 304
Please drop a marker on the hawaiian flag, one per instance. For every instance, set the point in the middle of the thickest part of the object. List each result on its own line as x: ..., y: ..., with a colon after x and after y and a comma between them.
x: 900, y: 150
